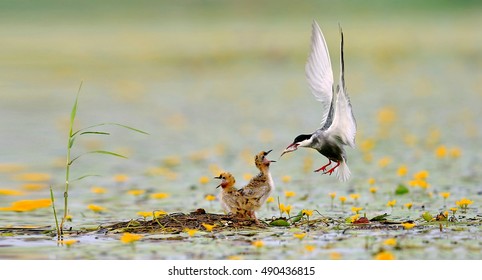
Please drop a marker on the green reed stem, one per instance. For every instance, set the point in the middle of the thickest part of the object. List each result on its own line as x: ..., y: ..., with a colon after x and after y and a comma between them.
x: 55, y: 212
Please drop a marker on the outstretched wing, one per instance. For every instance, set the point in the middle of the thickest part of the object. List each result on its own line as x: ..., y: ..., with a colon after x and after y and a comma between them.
x: 343, y: 126
x: 319, y: 73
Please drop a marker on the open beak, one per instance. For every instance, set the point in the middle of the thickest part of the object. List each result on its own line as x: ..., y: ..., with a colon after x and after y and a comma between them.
x: 289, y: 149
x: 219, y: 177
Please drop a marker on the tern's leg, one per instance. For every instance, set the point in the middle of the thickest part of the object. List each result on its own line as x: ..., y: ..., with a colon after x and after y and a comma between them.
x: 333, y: 169
x: 323, y: 168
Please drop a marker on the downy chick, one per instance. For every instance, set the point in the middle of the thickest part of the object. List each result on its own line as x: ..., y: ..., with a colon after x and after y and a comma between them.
x: 229, y: 196
x: 255, y: 193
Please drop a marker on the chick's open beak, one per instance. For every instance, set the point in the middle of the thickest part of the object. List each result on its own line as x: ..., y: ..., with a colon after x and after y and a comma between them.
x: 219, y: 177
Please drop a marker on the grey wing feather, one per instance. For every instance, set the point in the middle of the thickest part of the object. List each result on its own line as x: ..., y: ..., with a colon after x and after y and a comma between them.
x: 343, y: 126
x: 319, y: 73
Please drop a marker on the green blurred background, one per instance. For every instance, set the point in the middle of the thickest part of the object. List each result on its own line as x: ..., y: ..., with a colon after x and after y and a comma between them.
x: 197, y: 74
x: 215, y: 82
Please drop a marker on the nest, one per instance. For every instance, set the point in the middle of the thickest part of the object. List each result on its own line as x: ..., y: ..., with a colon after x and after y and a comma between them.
x: 178, y: 222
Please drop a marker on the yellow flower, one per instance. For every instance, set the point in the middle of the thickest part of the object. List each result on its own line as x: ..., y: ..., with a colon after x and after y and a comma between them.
x: 454, y: 210
x: 10, y: 192
x: 210, y: 197
x: 354, y: 217
x: 390, y: 242
x: 402, y: 170
x: 441, y: 151
x: 300, y: 235
x: 455, y: 152
x: 270, y: 199
x: 96, y: 208
x: 409, y: 205
x: 310, y: 248
x: 464, y: 203
x: 289, y: 194
x: 384, y: 161
x: 445, y: 195
x: 333, y: 195
x: 355, y: 196
x: 419, y: 183
x: 68, y: 218
x: 136, y: 192
x: 356, y: 209
x: 160, y: 195
x: 284, y: 208
x: 247, y: 176
x: 32, y: 177
x: 121, y: 178
x: 203, y: 180
x: 421, y: 175
x: 307, y: 164
x: 171, y: 161
x: 130, y: 238
x: 68, y: 242
x: 335, y: 256
x: 286, y: 179
x: 98, y: 190
x: 307, y: 212
x: 34, y: 186
x: 391, y: 203
x: 386, y: 115
x: 367, y: 145
x: 373, y: 190
x: 11, y: 167
x: 27, y: 205
x: 144, y: 214
x: 342, y: 199
x: 208, y: 227
x: 371, y: 181
x: 190, y: 232
x: 384, y: 255
x: 257, y: 243
x: 159, y: 213
x: 408, y: 225
x: 199, y: 155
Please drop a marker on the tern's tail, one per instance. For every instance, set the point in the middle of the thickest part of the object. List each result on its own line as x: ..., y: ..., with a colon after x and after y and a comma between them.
x: 342, y: 171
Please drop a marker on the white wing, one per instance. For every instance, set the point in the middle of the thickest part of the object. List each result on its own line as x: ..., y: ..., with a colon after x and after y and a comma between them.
x: 318, y: 71
x: 343, y: 127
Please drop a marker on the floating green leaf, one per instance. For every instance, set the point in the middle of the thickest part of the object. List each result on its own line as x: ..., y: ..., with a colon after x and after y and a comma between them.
x: 401, y: 189
x: 380, y: 218
x: 279, y: 223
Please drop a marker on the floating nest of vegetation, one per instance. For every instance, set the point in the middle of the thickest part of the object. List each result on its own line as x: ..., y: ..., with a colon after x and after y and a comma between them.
x: 178, y: 222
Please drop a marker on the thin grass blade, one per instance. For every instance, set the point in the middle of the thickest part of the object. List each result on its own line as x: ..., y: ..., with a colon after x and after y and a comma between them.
x: 97, y: 152
x: 85, y: 176
x: 115, y: 124
x: 95, y: 132
x: 73, y: 113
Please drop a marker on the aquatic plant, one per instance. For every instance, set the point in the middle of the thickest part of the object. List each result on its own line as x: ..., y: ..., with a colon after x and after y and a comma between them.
x: 73, y: 135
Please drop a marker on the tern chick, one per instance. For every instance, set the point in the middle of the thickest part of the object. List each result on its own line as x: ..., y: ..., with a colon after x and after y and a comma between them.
x: 338, y: 126
x: 257, y: 191
x: 229, y: 196
x: 244, y: 202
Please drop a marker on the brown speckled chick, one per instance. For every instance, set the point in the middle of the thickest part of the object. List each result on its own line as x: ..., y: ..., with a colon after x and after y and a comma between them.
x: 255, y: 193
x: 229, y: 196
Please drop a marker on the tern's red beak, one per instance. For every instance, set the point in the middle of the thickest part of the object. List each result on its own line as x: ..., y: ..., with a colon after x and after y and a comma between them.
x: 289, y: 149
